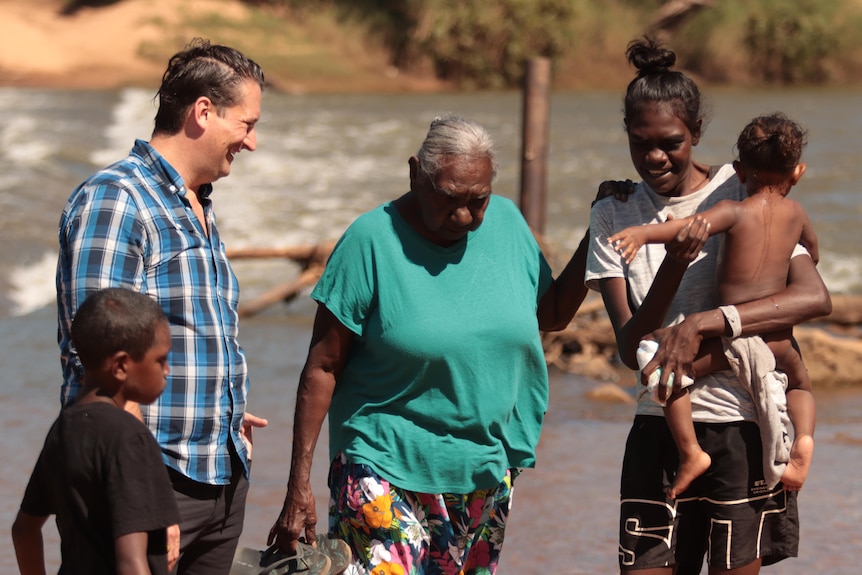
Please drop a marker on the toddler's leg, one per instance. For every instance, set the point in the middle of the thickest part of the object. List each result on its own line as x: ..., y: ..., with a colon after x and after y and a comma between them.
x: 693, y: 461
x: 800, y: 408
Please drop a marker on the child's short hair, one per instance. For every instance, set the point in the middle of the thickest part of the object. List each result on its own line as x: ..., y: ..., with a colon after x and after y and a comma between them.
x: 112, y: 320
x: 771, y: 143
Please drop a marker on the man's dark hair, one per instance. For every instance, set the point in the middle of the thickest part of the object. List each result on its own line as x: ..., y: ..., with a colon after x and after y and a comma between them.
x: 202, y: 69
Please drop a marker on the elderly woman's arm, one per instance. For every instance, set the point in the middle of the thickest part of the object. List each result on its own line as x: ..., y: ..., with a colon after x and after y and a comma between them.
x: 330, y: 344
x: 566, y: 293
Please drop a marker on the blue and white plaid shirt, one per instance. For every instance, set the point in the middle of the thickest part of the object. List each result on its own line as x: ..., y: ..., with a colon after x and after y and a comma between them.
x: 131, y: 225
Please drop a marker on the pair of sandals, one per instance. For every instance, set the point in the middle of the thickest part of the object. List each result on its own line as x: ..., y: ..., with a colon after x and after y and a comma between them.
x: 331, y: 556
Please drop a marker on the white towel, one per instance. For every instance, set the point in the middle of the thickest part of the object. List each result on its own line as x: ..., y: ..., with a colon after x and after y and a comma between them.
x: 646, y: 351
x: 754, y: 365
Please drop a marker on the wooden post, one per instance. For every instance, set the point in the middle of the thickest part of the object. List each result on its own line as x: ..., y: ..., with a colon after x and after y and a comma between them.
x: 534, y: 157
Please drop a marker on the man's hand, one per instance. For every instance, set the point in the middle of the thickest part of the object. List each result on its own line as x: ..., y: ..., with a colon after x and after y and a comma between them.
x: 248, y: 423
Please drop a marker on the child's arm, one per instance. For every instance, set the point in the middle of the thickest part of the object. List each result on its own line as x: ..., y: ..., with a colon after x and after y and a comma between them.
x: 27, y: 539
x: 628, y: 241
x: 720, y: 218
x: 131, y: 551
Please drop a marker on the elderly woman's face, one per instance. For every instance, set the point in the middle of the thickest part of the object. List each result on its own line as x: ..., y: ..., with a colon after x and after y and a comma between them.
x: 454, y: 203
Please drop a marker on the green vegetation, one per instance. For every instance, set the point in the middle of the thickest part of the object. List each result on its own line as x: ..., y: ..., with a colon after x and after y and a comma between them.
x: 775, y: 41
x: 483, y: 45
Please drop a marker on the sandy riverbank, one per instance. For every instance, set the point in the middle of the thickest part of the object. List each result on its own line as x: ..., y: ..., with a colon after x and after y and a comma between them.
x: 128, y: 43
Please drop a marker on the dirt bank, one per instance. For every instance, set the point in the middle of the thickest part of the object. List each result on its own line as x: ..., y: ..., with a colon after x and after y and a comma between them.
x: 128, y: 43
x: 95, y: 48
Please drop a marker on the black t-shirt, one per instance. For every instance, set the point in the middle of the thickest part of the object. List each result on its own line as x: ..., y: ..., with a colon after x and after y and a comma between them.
x: 101, y: 473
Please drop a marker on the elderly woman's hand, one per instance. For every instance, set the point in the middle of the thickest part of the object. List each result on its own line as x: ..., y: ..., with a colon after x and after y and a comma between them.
x: 620, y: 190
x: 297, y: 520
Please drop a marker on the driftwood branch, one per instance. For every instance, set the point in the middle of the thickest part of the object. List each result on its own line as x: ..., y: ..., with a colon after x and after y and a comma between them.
x: 312, y: 260
x: 831, y: 346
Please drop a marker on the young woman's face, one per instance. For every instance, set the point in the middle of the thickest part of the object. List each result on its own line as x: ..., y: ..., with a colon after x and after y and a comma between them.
x: 660, y: 145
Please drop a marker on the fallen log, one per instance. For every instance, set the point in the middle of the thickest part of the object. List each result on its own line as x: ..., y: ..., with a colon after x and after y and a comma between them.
x: 311, y: 258
x: 281, y: 293
x: 831, y: 346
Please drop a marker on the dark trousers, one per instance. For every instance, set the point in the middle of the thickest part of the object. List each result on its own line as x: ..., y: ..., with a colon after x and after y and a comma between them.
x: 212, y: 517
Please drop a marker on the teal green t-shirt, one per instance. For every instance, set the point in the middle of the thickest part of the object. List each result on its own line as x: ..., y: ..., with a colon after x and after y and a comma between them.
x: 446, y: 384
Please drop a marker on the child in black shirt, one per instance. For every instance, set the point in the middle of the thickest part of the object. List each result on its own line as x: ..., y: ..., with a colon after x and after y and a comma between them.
x: 101, y: 471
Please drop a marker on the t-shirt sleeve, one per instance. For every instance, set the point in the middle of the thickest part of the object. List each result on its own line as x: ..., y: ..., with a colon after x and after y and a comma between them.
x: 602, y: 260
x: 138, y: 488
x: 348, y: 284
x: 37, y: 500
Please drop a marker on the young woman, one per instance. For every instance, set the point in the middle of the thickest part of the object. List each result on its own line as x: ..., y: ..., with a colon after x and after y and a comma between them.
x: 728, y: 511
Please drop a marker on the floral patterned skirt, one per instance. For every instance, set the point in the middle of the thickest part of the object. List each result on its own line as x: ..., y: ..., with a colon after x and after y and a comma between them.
x: 397, y: 532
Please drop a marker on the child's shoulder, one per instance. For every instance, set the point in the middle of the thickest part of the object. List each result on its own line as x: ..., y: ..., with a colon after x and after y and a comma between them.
x: 102, y: 417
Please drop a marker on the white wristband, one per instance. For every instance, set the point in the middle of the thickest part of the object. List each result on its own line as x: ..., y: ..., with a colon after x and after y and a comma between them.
x: 732, y: 317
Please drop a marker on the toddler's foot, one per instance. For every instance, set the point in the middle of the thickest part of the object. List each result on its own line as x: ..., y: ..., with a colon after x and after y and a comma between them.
x: 801, y: 453
x: 689, y: 470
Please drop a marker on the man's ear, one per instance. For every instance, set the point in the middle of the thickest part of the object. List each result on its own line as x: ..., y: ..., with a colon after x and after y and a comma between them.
x: 201, y: 111
x: 740, y: 173
x: 119, y: 365
x: 798, y: 172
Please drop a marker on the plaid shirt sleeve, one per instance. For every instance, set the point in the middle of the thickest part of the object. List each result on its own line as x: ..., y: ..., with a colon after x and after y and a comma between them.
x: 100, y: 247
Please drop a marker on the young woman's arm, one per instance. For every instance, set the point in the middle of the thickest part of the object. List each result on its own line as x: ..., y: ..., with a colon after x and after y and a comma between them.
x: 631, y: 327
x: 327, y: 355
x: 804, y: 298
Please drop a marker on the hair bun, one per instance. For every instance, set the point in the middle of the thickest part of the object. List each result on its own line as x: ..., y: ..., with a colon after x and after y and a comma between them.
x: 649, y: 57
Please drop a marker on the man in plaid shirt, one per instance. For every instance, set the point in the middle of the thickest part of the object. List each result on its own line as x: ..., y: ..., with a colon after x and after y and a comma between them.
x: 147, y: 223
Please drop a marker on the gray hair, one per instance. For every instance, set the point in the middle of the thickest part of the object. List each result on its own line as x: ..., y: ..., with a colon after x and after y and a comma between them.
x: 454, y: 135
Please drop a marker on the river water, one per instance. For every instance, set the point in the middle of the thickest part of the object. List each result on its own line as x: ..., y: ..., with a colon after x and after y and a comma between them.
x: 322, y: 160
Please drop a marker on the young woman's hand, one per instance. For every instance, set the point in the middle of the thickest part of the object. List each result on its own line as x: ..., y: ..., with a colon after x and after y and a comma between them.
x: 687, y: 244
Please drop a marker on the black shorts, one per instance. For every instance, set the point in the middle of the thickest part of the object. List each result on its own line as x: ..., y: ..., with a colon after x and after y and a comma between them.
x: 727, y: 514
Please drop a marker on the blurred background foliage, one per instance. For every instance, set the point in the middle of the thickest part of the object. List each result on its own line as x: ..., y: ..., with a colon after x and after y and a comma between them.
x: 483, y: 44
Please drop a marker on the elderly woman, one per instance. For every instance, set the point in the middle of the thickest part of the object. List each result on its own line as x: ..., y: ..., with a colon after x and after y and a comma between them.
x: 426, y: 355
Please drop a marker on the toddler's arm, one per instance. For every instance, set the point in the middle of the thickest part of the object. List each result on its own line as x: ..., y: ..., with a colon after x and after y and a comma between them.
x: 719, y: 218
x: 628, y: 241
